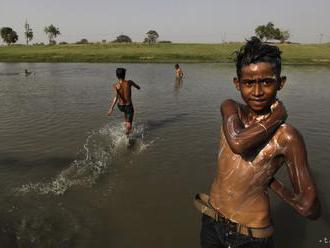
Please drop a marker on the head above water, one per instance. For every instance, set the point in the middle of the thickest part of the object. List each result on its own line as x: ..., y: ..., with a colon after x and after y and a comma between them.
x: 255, y: 51
x: 258, y: 67
x: 177, y: 66
x: 121, y: 73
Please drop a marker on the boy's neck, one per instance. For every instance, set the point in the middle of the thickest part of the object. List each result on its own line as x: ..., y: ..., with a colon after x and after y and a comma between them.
x: 258, y: 116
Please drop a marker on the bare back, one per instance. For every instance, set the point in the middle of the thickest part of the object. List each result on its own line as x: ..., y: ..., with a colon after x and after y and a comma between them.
x: 124, y: 91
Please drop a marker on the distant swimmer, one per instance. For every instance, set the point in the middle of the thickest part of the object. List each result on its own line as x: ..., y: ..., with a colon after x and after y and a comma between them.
x: 27, y: 73
x: 178, y: 72
x: 122, y: 90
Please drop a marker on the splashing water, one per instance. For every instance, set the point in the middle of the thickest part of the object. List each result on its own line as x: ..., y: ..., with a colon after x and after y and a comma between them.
x: 101, y: 147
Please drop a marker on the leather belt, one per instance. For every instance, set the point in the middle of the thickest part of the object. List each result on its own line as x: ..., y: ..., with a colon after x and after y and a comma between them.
x: 201, y: 202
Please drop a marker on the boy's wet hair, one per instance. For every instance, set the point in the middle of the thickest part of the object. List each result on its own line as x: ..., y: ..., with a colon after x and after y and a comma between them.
x: 121, y: 73
x: 176, y: 66
x: 255, y: 51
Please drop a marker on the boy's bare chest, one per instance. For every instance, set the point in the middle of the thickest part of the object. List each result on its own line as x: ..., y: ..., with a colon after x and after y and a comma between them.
x: 265, y: 160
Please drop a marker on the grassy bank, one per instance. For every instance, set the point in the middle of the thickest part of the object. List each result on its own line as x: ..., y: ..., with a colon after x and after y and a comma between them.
x: 159, y: 53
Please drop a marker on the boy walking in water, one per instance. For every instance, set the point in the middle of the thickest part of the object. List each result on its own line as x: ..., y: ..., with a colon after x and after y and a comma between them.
x: 124, y: 95
x: 255, y: 142
x: 178, y: 72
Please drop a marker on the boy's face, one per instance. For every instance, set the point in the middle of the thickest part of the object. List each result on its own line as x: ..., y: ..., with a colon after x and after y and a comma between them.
x: 258, y: 86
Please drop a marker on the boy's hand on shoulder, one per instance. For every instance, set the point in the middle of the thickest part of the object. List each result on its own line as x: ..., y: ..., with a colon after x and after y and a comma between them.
x: 279, y: 111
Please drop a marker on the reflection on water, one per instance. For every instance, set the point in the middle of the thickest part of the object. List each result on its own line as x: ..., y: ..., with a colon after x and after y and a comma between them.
x: 178, y: 83
x: 70, y: 179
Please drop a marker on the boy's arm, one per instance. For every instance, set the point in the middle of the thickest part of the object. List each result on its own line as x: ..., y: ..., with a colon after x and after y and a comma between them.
x: 303, y: 198
x: 240, y: 139
x: 114, y: 101
x: 134, y: 84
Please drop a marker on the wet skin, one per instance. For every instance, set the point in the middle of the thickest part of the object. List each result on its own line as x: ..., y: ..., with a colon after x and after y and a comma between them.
x: 123, y: 95
x: 255, y: 142
x: 178, y: 72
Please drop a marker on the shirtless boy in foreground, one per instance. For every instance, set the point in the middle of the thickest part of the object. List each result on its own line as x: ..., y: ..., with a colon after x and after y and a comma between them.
x: 255, y: 142
x: 123, y: 94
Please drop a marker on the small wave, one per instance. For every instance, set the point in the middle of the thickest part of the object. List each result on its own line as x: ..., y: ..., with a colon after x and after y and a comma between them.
x: 96, y: 155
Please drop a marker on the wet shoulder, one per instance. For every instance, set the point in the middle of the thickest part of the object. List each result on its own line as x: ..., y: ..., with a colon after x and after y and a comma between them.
x: 116, y: 86
x: 287, y: 134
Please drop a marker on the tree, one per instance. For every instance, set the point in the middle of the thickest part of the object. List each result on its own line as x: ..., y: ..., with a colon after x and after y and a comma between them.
x: 285, y: 35
x: 28, y: 32
x: 152, y: 37
x: 265, y: 32
x: 52, y: 32
x: 123, y: 39
x: 82, y: 41
x: 8, y: 35
x: 269, y: 32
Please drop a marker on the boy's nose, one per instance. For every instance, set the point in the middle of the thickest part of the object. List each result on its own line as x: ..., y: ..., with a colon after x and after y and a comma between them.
x: 257, y: 90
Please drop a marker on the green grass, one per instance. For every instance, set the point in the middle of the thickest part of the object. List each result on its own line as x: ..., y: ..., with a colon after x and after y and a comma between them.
x: 159, y: 53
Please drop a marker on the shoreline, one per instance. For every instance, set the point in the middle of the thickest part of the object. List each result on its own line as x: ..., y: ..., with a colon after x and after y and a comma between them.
x: 292, y: 54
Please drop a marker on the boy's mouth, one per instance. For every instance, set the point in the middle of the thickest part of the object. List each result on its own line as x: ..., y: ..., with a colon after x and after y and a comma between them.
x: 258, y: 101
x: 258, y: 104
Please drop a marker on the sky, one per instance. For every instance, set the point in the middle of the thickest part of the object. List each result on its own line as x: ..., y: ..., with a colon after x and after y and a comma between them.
x: 192, y: 21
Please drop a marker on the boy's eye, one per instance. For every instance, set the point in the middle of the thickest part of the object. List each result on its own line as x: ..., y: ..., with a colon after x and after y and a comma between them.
x: 268, y: 81
x: 249, y: 83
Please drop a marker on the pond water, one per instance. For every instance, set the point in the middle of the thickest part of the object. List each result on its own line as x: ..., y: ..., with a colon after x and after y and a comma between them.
x: 67, y: 178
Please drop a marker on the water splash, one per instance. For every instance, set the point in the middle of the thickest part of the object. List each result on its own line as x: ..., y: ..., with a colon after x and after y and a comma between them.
x: 95, y: 157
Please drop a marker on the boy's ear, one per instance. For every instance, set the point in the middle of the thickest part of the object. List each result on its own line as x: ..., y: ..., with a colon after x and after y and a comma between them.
x: 282, y: 82
x: 236, y: 82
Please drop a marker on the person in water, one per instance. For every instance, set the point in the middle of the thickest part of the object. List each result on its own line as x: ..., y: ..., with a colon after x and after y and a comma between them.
x: 27, y: 73
x: 255, y: 142
x: 123, y: 95
x: 178, y: 72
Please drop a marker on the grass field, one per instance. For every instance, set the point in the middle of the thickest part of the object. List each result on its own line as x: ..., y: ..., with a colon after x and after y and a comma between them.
x: 158, y: 53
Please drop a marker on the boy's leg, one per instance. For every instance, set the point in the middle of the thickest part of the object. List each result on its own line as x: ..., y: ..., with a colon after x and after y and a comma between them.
x: 249, y: 242
x: 130, y: 116
x: 209, y: 236
x: 127, y: 124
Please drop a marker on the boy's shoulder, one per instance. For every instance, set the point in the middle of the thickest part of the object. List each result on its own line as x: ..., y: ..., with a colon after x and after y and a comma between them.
x: 232, y: 105
x: 287, y: 134
x: 116, y: 86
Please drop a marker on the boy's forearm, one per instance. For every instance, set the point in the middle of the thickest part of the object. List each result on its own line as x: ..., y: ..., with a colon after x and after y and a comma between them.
x: 114, y: 101
x: 309, y: 209
x: 241, y: 138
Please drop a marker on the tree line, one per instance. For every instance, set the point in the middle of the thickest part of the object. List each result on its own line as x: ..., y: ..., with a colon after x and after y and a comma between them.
x: 10, y: 36
x: 264, y: 32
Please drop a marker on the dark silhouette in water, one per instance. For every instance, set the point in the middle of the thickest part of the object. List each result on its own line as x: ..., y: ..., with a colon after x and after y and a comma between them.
x: 27, y: 73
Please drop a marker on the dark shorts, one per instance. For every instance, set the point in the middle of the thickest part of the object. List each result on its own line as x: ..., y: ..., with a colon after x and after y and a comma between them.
x: 217, y: 234
x: 128, y: 110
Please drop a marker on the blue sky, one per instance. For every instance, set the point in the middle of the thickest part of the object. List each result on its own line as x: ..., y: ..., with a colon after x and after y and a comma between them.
x: 206, y: 21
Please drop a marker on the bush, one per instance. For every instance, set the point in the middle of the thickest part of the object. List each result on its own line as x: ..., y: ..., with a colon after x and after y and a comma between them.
x: 82, y: 41
x: 123, y: 39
